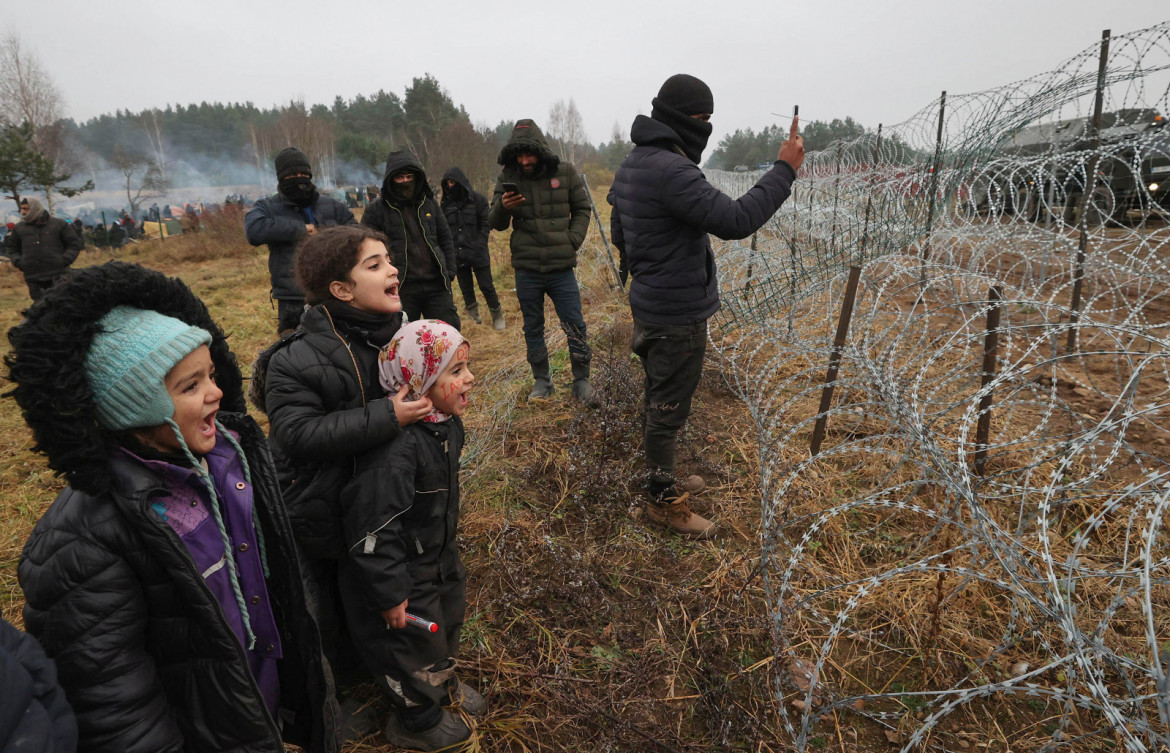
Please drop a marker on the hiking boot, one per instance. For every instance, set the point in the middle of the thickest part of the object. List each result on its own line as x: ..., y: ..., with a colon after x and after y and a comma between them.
x: 543, y: 388
x: 469, y: 699
x: 582, y: 388
x: 450, y: 731
x: 497, y: 317
x: 358, y: 719
x: 473, y: 312
x: 674, y: 513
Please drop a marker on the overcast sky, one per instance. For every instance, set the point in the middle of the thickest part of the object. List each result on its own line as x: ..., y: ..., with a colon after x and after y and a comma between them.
x: 878, y: 61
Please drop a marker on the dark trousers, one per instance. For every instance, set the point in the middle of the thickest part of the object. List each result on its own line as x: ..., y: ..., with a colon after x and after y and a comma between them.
x: 323, y: 582
x: 414, y: 667
x: 483, y: 275
x: 288, y: 313
x: 37, y: 288
x: 672, y: 357
x: 561, y: 288
x: 428, y: 299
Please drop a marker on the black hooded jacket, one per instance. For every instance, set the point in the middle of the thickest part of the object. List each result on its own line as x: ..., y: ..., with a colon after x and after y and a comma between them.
x: 467, y: 217
x: 278, y: 222
x: 388, y: 216
x: 325, y: 405
x: 147, y: 659
x: 663, y: 209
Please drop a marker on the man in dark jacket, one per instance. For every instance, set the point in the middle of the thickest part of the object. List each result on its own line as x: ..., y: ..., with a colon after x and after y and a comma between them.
x: 674, y: 289
x: 42, y: 247
x: 466, y: 211
x: 282, y: 219
x: 549, y: 217
x: 420, y: 241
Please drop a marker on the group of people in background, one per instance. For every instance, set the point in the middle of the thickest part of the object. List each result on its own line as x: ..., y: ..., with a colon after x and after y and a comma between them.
x: 203, y: 587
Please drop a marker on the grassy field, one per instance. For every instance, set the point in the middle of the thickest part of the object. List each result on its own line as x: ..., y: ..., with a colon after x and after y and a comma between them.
x: 587, y: 630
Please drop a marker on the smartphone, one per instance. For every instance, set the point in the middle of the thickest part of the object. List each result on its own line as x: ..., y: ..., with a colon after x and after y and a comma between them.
x: 510, y: 188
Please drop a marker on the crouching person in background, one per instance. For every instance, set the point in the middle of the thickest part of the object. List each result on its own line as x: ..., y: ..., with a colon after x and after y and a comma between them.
x: 163, y: 580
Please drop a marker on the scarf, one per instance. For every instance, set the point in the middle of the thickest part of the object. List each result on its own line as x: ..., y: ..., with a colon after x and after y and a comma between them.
x: 376, y: 329
x: 417, y: 355
x: 692, y: 134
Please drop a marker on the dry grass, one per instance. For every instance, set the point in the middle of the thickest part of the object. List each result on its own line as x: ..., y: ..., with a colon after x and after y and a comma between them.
x: 587, y: 630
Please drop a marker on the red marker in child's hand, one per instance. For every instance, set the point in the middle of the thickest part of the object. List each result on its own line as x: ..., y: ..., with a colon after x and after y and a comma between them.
x: 427, y: 625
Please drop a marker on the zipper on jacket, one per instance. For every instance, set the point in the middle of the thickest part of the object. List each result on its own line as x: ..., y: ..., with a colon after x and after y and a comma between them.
x: 406, y: 240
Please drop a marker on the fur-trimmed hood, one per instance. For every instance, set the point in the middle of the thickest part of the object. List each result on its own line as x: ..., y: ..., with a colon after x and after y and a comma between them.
x: 527, y: 137
x: 48, y: 355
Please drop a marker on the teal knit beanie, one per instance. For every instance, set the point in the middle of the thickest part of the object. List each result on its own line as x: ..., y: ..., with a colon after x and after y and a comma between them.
x: 127, y: 365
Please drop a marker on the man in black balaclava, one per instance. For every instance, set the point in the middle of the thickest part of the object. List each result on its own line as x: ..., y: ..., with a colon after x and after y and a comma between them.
x: 674, y: 289
x: 420, y: 241
x: 282, y: 219
x: 466, y: 211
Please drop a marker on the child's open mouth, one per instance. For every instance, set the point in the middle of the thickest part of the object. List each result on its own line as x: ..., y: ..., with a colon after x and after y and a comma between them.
x: 207, y: 425
x: 392, y: 291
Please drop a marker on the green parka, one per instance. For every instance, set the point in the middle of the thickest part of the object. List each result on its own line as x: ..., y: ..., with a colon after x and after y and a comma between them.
x: 551, y: 224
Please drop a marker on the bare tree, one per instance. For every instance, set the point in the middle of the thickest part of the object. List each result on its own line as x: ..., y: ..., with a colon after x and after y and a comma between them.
x: 566, y: 128
x: 149, y: 183
x: 148, y: 121
x: 29, y: 98
x: 27, y: 94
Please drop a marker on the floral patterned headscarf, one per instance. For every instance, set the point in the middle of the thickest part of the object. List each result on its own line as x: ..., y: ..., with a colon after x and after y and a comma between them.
x: 417, y: 355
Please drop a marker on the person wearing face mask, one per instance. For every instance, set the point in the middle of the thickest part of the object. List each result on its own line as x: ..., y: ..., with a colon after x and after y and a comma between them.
x: 420, y: 240
x: 663, y: 209
x: 281, y: 220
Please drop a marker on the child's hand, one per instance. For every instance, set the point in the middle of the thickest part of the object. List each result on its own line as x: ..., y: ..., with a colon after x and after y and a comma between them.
x: 408, y: 413
x: 396, y: 617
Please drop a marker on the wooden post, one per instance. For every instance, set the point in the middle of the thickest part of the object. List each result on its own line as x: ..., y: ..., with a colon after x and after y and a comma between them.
x: 1087, y: 197
x: 990, y: 355
x: 942, y: 111
x: 818, y: 435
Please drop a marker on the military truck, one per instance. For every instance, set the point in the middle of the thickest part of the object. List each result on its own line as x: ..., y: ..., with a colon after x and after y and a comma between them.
x: 1042, y: 172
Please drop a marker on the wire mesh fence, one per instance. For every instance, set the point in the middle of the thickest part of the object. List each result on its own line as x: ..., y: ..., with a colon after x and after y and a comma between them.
x: 984, y: 523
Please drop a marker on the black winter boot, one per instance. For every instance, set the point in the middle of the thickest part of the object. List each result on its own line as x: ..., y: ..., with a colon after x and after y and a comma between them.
x: 497, y: 317
x: 582, y: 389
x: 543, y: 387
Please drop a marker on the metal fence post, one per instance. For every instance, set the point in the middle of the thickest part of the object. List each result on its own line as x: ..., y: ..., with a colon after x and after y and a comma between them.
x: 990, y: 356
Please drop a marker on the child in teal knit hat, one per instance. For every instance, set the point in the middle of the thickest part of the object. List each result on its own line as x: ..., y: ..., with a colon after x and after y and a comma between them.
x: 164, y: 580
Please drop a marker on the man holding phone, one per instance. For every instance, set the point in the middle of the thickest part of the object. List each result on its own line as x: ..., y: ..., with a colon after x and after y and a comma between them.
x: 663, y: 209
x: 543, y: 199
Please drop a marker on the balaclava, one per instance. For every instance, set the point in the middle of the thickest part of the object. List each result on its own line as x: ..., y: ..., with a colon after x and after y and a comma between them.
x: 680, y: 97
x: 300, y: 191
x: 36, y: 212
x: 126, y: 367
x: 405, y: 191
x: 417, y: 355
x: 455, y: 192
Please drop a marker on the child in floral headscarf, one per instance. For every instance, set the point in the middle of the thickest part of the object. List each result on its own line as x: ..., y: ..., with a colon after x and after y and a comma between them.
x: 400, y: 523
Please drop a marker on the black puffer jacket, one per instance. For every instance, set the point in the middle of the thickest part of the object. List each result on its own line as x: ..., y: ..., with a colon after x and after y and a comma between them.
x: 34, y: 716
x: 467, y: 218
x: 320, y: 390
x: 386, y: 216
x: 279, y: 223
x: 663, y: 209
x: 402, y: 512
x: 44, y: 249
x: 551, y: 224
x: 144, y: 652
